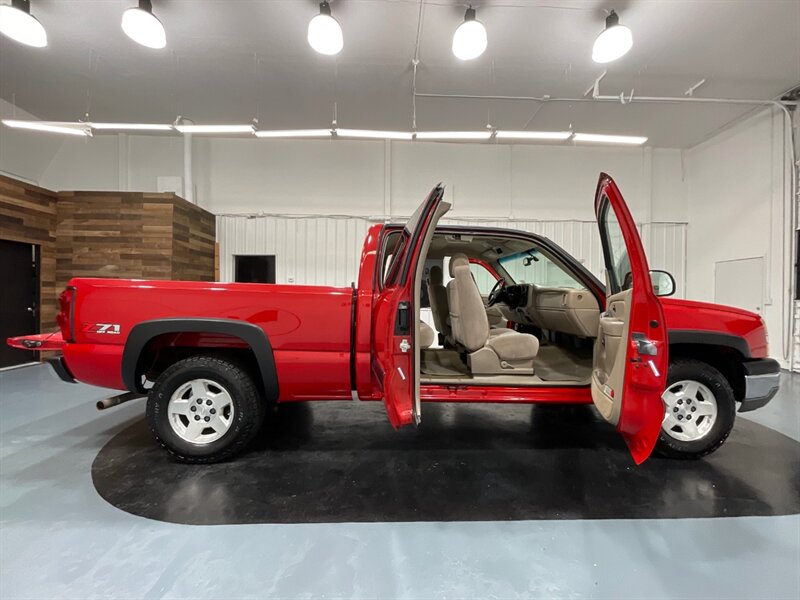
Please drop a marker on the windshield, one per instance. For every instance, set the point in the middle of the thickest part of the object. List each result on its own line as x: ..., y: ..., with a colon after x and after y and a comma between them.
x: 532, y: 266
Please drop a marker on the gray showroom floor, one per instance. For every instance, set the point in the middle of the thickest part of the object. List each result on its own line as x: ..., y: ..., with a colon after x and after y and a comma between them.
x: 59, y: 539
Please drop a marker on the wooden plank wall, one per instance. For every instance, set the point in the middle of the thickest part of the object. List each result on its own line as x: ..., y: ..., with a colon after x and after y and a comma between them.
x: 114, y: 234
x: 133, y: 235
x: 28, y: 214
x: 194, y: 233
x: 106, y: 234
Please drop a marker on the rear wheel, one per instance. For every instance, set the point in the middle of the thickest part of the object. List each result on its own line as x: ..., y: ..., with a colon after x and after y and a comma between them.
x: 699, y: 410
x: 204, y: 409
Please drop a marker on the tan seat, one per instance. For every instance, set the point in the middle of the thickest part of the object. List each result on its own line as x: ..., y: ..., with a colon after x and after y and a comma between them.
x: 491, y: 352
x: 426, y: 335
x: 440, y: 308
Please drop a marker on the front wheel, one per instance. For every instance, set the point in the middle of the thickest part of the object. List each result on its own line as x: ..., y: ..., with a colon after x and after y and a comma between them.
x: 699, y: 410
x: 204, y: 409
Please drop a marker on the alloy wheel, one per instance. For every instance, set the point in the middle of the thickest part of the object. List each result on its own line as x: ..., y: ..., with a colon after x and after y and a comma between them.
x: 690, y: 410
x: 200, y: 411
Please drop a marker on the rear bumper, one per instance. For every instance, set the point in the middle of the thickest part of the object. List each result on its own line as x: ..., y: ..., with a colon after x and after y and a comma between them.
x: 60, y: 367
x: 762, y: 381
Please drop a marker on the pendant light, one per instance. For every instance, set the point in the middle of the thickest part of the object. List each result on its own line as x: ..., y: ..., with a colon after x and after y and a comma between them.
x: 614, y: 42
x: 469, y: 40
x: 17, y: 23
x: 143, y: 27
x: 324, y: 32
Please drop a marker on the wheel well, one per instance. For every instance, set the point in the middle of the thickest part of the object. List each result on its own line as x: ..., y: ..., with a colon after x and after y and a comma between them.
x: 152, y: 344
x: 726, y: 360
x: 164, y: 350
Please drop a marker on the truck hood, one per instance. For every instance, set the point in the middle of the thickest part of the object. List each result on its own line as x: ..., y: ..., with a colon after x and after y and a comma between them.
x: 705, y: 317
x: 693, y: 304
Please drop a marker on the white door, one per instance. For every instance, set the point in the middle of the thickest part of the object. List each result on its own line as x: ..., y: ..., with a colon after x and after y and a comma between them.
x: 740, y: 283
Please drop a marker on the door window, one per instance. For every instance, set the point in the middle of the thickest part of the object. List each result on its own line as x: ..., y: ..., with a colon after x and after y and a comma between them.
x: 392, y: 249
x: 618, y: 262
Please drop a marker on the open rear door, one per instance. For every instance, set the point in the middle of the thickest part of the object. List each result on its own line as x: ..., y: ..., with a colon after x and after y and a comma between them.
x: 395, y: 327
x: 630, y: 356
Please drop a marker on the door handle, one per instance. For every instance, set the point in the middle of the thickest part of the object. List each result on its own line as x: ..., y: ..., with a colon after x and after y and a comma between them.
x: 644, y: 345
x: 404, y: 345
x: 402, y: 324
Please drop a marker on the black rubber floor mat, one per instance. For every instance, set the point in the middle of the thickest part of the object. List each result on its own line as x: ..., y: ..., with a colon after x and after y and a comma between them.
x: 342, y: 462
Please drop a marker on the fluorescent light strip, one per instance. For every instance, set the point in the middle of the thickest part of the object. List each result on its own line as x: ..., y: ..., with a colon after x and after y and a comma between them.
x: 214, y: 128
x: 373, y: 134
x: 533, y: 135
x: 131, y: 126
x: 78, y: 129
x: 293, y: 133
x: 609, y: 139
x: 453, y: 135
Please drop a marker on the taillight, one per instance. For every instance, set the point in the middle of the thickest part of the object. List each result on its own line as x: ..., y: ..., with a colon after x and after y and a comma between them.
x: 66, y: 316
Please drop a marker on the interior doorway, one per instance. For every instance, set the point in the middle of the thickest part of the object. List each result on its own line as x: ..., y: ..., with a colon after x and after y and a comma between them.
x: 19, y: 298
x: 254, y: 269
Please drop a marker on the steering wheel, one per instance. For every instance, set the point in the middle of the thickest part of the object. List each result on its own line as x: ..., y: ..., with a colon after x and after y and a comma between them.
x: 497, y: 292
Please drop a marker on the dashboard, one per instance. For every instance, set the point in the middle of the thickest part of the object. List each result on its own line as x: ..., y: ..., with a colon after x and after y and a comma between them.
x: 565, y: 310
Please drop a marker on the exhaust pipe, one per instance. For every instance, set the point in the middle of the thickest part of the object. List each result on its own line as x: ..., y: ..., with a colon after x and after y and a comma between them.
x: 117, y: 400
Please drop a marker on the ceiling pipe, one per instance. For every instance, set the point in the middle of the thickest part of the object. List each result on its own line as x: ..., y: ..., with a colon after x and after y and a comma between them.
x: 188, y: 180
x: 653, y: 99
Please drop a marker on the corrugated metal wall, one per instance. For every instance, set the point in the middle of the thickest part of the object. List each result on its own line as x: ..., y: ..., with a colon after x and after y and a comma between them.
x: 311, y: 250
x: 326, y: 250
x: 796, y: 349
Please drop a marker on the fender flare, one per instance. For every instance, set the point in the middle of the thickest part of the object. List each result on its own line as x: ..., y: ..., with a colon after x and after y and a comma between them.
x: 710, y: 338
x: 142, y: 333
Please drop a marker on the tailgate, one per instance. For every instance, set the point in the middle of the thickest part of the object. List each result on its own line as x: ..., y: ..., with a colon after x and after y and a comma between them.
x: 39, y: 342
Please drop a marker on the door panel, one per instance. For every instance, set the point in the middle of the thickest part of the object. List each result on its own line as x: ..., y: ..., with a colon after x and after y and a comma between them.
x: 630, y: 358
x: 609, y: 372
x: 396, y: 316
x: 18, y: 299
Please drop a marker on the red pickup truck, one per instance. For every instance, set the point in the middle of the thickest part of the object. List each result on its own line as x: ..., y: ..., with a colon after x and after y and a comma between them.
x: 212, y: 357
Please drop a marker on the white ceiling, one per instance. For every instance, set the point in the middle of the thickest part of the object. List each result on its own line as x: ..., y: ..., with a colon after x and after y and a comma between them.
x: 232, y: 60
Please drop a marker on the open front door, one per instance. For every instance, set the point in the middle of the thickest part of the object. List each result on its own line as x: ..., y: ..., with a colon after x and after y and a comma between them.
x: 630, y: 355
x: 395, y: 326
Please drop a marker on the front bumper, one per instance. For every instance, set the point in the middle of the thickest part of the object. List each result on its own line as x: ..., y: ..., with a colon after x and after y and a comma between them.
x: 762, y: 380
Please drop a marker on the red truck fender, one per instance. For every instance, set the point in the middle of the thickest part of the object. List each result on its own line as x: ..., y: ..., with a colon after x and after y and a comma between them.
x: 252, y: 335
x: 709, y: 338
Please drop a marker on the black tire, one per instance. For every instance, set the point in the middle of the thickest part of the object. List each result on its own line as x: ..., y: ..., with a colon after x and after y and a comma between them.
x: 690, y: 369
x: 248, y: 407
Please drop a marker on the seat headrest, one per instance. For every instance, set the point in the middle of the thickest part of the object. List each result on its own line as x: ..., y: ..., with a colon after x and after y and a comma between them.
x: 435, y: 277
x: 458, y: 260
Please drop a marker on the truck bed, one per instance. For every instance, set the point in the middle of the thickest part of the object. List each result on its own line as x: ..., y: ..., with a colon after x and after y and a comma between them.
x: 306, y: 325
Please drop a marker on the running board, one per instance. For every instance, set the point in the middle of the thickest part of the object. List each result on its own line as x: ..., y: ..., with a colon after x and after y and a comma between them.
x: 117, y: 400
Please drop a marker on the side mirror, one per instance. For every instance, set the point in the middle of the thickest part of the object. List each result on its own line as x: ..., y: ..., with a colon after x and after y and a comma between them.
x: 663, y: 283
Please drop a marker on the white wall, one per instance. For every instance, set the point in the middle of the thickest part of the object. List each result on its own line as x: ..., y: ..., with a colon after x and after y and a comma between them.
x: 23, y: 154
x: 547, y: 189
x: 376, y: 178
x: 731, y: 190
x: 738, y: 207
x: 326, y: 250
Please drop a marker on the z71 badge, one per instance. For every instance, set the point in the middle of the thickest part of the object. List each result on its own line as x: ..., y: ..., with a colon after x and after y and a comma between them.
x: 106, y: 328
